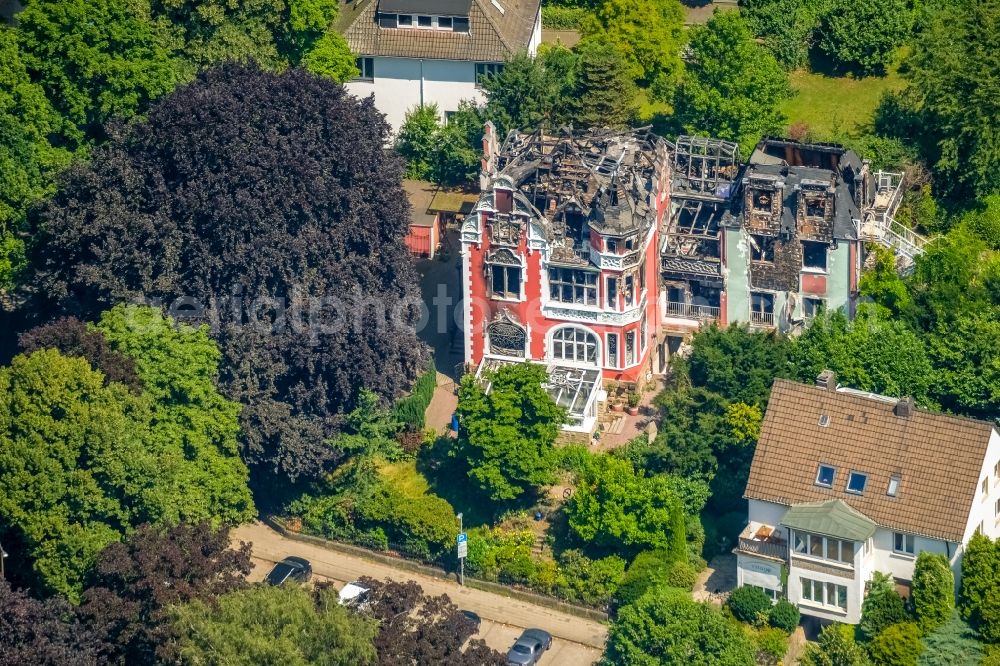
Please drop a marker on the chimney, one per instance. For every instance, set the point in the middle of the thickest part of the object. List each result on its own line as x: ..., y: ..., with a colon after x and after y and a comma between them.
x: 827, y: 380
x: 904, y: 408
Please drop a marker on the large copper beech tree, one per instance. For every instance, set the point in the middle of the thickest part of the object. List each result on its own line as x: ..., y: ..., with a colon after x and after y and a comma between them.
x: 259, y: 198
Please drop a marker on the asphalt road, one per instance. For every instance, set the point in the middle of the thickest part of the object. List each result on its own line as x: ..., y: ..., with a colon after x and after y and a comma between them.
x: 577, y: 642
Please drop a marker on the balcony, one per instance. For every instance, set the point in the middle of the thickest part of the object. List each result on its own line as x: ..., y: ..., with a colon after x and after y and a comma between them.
x: 762, y: 319
x: 691, y: 311
x: 764, y: 540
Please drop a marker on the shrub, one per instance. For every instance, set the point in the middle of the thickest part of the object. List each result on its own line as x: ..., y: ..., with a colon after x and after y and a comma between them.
x: 933, y: 591
x: 682, y: 575
x: 591, y: 581
x: 953, y: 644
x: 649, y: 568
x: 410, y: 410
x: 749, y: 604
x: 980, y: 575
x: 882, y: 607
x: 784, y: 615
x: 772, y: 644
x: 897, y: 645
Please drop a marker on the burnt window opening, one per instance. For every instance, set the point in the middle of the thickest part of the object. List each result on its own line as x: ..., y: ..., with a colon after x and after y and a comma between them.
x: 814, y: 255
x: 629, y: 244
x: 761, y: 249
x: 568, y: 285
x: 504, y: 271
x: 611, y: 245
x: 629, y: 290
x: 762, y: 200
x: 815, y: 207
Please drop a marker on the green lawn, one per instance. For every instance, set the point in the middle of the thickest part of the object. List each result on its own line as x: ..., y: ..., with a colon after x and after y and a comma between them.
x: 833, y: 105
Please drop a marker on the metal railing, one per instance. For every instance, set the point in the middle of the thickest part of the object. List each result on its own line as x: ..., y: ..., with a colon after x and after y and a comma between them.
x: 770, y: 548
x: 761, y: 318
x: 692, y: 311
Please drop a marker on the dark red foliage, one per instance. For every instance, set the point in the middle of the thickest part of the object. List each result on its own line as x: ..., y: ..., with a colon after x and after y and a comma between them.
x: 134, y: 582
x: 72, y: 338
x: 249, y: 185
x: 43, y: 633
x: 418, y: 629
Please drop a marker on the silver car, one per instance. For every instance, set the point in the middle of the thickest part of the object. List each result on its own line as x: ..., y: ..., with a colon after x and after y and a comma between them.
x: 529, y: 647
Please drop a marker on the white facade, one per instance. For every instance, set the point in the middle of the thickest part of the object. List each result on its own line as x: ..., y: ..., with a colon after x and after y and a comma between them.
x: 774, y: 564
x: 400, y: 84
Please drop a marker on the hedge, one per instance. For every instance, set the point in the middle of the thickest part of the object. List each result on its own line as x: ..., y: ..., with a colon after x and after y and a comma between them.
x: 410, y: 410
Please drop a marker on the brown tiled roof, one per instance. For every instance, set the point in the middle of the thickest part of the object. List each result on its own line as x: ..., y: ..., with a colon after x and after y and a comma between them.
x: 493, y: 36
x: 937, y: 456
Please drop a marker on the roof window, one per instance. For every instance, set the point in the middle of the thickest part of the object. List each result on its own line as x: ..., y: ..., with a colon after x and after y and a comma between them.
x: 824, y: 420
x: 824, y: 476
x: 893, y: 486
x: 856, y: 482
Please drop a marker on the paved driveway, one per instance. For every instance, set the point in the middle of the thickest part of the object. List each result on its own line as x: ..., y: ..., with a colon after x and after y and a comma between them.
x: 578, y: 642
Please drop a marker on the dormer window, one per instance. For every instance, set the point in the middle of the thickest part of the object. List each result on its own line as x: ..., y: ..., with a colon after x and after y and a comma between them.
x: 762, y: 200
x: 824, y: 476
x: 405, y: 21
x: 444, y: 23
x: 856, y: 482
x: 425, y: 21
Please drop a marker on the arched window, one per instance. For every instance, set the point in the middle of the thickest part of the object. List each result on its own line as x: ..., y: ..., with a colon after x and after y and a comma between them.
x: 506, y: 339
x: 504, y: 274
x: 574, y: 344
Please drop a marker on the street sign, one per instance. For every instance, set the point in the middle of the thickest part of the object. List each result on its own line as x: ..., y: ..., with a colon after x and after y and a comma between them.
x: 462, y: 537
x: 463, y: 545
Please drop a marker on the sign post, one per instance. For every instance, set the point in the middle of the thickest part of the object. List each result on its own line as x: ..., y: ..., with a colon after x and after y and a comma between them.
x: 462, y: 545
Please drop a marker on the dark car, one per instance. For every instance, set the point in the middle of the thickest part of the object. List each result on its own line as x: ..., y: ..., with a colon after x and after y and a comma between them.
x: 529, y: 647
x: 473, y: 618
x: 290, y: 568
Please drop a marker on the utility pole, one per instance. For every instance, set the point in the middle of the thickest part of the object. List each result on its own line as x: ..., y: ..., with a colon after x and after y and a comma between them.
x: 462, y: 546
x: 3, y: 556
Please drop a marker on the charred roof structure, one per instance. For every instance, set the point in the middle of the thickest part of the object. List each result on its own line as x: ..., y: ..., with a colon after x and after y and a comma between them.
x: 573, y: 182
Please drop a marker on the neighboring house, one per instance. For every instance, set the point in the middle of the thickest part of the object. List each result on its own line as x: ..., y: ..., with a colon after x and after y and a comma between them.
x: 559, y: 259
x: 773, y: 241
x: 414, y: 52
x: 845, y: 483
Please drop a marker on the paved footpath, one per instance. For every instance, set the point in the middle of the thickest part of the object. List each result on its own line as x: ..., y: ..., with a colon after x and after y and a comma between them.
x: 270, y: 546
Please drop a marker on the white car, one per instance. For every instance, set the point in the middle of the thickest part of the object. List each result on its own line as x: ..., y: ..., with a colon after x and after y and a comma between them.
x: 353, y: 595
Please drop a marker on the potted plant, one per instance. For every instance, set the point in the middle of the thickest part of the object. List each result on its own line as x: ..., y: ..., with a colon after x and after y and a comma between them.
x: 633, y: 403
x: 616, y: 405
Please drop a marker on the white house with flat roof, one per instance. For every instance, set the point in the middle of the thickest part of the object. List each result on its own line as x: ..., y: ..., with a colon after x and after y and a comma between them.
x: 414, y: 52
x: 845, y: 483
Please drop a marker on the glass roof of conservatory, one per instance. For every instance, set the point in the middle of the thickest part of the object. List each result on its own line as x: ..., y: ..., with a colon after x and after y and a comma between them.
x: 571, y: 387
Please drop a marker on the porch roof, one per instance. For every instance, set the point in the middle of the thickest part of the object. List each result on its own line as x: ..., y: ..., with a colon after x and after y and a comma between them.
x: 833, y: 518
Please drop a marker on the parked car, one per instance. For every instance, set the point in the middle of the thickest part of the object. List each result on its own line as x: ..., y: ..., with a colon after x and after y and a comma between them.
x: 473, y: 618
x: 290, y: 568
x: 529, y: 648
x: 354, y: 594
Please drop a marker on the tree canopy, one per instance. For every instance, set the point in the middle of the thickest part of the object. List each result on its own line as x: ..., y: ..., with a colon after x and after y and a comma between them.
x: 666, y: 627
x: 864, y: 36
x: 269, y: 207
x: 46, y: 631
x: 732, y: 87
x: 285, y: 625
x: 615, y: 506
x: 85, y: 460
x: 507, y: 433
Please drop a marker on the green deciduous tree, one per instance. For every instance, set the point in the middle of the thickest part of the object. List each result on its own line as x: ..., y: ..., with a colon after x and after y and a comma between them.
x: 448, y: 153
x: 666, y: 627
x: 749, y: 604
x: 649, y: 34
x: 72, y: 462
x: 97, y: 59
x: 615, y: 506
x: 786, y: 26
x: 732, y: 87
x: 897, y: 645
x: 980, y: 581
x: 864, y: 36
x: 272, y: 626
x: 933, y: 591
x: 507, y: 433
x: 193, y: 429
x: 416, y: 140
x: 603, y: 94
x: 872, y: 353
x: 331, y: 57
x: 526, y: 94
x: 28, y: 160
x: 956, y: 92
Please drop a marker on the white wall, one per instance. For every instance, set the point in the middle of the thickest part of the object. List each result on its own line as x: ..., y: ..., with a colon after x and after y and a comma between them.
x: 984, y: 506
x: 399, y: 82
x: 536, y: 34
x: 883, y: 558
